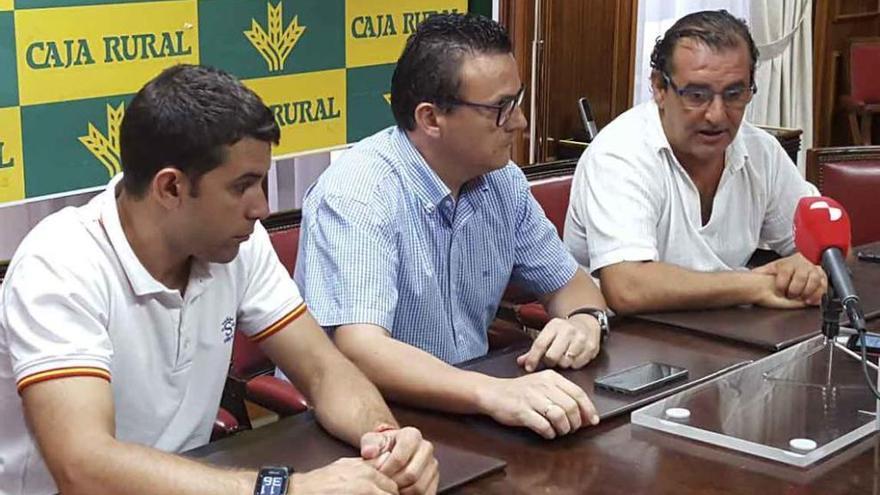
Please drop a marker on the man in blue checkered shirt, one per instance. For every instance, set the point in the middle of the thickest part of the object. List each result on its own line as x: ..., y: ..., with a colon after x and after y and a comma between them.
x: 410, y: 238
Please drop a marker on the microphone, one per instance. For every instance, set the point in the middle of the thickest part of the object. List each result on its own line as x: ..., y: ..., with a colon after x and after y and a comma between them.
x: 823, y: 235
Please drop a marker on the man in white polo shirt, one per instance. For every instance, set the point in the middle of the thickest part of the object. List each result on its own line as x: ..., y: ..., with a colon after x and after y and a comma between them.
x: 117, y: 318
x: 673, y: 197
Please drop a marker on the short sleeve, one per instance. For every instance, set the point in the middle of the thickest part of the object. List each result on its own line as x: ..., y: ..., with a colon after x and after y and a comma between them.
x: 541, y: 262
x: 347, y: 265
x: 786, y: 188
x: 55, y: 319
x: 271, y: 300
x: 620, y: 201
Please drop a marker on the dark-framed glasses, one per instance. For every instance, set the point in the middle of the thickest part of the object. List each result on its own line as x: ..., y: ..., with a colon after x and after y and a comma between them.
x: 505, y: 109
x: 698, y: 97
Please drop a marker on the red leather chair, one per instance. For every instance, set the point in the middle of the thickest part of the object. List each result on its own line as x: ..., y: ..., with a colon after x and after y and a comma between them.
x: 226, y: 424
x: 863, y: 100
x: 550, y: 184
x: 851, y: 175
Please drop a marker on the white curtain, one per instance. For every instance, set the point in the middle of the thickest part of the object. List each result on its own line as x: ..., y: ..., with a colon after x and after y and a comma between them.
x: 655, y: 17
x: 782, y: 29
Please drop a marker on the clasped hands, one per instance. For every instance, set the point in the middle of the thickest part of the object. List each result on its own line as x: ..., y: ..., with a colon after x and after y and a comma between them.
x: 393, y: 461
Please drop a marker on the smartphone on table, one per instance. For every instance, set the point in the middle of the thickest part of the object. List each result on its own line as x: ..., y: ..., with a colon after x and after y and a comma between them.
x: 641, y: 378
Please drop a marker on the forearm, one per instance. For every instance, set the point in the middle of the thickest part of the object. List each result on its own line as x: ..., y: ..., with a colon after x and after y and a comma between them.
x: 633, y: 287
x: 347, y: 404
x: 579, y: 292
x: 409, y: 375
x: 110, y: 467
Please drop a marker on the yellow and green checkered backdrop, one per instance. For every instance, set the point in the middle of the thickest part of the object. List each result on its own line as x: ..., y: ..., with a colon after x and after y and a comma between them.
x: 69, y: 67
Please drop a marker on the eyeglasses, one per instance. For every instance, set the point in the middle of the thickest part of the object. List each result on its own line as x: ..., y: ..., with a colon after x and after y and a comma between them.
x: 694, y: 98
x: 505, y: 108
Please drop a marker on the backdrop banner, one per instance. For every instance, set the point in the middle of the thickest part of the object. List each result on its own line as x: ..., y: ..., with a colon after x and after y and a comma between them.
x: 68, y: 68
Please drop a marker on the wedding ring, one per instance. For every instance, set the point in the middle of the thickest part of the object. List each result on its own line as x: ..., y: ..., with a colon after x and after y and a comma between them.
x: 547, y: 409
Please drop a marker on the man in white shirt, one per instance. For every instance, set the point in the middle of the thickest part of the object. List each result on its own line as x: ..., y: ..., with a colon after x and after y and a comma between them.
x: 672, y: 198
x: 117, y: 318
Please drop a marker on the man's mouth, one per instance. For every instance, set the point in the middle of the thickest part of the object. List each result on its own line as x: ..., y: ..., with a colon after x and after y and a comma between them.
x: 711, y: 133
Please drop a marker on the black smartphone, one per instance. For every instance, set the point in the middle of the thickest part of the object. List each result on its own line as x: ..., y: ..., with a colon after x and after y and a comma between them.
x: 641, y: 378
x: 872, y: 343
x: 869, y: 256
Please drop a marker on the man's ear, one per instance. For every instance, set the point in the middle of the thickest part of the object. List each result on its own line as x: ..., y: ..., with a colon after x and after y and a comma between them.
x: 429, y: 119
x: 169, y: 186
x: 658, y: 88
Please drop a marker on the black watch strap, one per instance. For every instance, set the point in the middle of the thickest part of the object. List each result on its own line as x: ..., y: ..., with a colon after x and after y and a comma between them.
x: 600, y: 315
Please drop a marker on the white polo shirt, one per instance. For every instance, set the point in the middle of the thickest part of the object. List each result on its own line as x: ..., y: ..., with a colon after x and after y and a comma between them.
x: 78, y: 302
x: 631, y: 200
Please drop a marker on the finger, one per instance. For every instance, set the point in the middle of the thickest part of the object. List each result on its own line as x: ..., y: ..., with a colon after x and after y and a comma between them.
x: 533, y: 420
x: 797, y: 284
x: 559, y: 346
x: 783, y: 279
x: 539, y: 347
x: 428, y: 488
x: 585, y: 405
x: 816, y: 297
x: 420, y: 469
x: 568, y: 405
x: 383, y: 483
x: 372, y: 444
x: 577, y: 347
x: 812, y: 283
x: 405, y: 444
x: 591, y: 350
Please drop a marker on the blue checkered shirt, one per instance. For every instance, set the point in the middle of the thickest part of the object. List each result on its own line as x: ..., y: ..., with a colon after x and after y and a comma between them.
x: 383, y: 242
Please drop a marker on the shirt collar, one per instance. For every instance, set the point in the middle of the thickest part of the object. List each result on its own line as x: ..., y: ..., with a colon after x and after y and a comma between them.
x: 427, y: 185
x: 142, y: 282
x: 735, y: 156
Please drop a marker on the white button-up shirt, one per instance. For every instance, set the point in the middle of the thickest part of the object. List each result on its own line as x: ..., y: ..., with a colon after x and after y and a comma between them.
x: 631, y: 200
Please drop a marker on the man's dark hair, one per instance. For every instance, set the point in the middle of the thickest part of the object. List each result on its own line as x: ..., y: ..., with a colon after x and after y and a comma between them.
x: 717, y: 29
x: 184, y: 118
x: 428, y: 69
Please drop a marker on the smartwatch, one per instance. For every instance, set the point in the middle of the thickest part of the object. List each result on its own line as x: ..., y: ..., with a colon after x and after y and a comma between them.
x: 600, y: 315
x: 272, y: 480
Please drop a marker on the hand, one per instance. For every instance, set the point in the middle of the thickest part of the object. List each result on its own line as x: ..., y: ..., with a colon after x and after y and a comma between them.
x: 796, y: 278
x: 405, y: 457
x: 565, y: 343
x: 346, y: 475
x: 544, y: 402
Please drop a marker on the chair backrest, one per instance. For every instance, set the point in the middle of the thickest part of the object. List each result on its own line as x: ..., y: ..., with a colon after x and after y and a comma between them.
x: 864, y: 69
x: 851, y: 175
x: 553, y: 194
x: 247, y: 358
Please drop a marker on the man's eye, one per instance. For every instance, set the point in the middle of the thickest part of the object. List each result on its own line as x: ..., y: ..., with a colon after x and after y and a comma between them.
x: 734, y: 93
x: 699, y: 94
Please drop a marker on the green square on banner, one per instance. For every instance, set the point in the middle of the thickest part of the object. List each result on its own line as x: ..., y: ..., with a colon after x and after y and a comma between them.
x: 261, y: 38
x: 39, y: 4
x: 8, y: 75
x: 71, y: 145
x: 369, y: 95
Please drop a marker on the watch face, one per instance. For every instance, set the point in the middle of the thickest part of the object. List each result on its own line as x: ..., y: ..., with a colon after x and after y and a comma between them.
x: 272, y: 481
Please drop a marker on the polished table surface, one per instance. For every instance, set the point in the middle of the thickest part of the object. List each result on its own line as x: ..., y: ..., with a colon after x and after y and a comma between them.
x: 619, y: 458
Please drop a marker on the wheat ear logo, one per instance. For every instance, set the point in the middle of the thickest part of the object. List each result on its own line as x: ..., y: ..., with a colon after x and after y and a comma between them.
x: 387, y: 97
x: 106, y: 148
x: 8, y: 164
x: 275, y: 46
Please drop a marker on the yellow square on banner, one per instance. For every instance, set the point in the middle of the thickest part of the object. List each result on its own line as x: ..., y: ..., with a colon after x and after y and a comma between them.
x: 11, y: 163
x: 309, y: 107
x: 6, y: 5
x: 376, y: 30
x: 83, y: 52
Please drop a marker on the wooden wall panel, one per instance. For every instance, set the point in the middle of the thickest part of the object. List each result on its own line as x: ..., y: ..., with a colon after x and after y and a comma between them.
x: 835, y: 22
x: 585, y: 48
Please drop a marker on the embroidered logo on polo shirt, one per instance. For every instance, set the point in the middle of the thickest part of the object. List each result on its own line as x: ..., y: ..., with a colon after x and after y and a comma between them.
x: 228, y: 329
